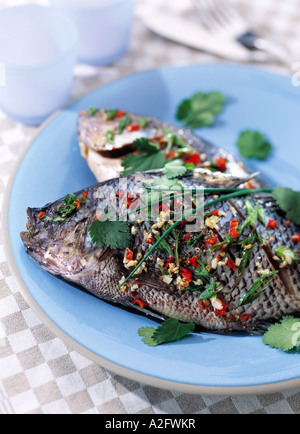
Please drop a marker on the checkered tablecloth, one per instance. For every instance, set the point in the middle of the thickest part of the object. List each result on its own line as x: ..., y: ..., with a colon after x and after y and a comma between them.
x: 41, y: 374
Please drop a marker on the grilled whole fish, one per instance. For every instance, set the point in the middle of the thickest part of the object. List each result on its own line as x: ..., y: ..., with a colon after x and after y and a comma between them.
x: 171, y: 281
x: 103, y: 144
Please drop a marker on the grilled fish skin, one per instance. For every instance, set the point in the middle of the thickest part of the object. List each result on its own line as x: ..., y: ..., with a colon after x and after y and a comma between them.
x: 104, y: 158
x: 65, y: 249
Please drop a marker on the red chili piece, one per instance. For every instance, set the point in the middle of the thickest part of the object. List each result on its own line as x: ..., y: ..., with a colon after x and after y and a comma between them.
x: 142, y: 304
x: 85, y: 194
x: 41, y: 215
x: 192, y: 159
x: 272, y: 224
x: 296, y: 238
x: 120, y: 114
x: 231, y: 264
x: 187, y: 274
x: 221, y: 164
x: 233, y: 229
x: 133, y: 127
x: 211, y: 241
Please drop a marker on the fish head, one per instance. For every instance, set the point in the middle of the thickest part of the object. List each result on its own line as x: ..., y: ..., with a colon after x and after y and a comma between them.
x: 59, y: 248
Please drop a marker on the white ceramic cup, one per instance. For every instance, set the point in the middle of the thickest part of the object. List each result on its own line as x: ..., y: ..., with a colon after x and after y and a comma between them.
x: 38, y: 51
x: 104, y: 28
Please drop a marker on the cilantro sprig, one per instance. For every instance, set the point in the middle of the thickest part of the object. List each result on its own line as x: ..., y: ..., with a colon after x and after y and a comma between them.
x: 170, y: 331
x: 253, y: 144
x: 289, y: 201
x: 201, y: 109
x: 284, y: 335
x: 147, y: 157
x: 113, y: 234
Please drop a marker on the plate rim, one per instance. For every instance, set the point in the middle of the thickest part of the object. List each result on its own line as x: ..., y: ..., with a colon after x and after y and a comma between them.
x: 152, y: 381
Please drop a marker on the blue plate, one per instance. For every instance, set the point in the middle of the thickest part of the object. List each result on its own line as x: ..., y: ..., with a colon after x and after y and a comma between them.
x: 52, y: 167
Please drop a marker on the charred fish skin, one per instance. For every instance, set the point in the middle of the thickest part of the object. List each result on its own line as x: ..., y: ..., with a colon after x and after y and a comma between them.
x: 65, y: 249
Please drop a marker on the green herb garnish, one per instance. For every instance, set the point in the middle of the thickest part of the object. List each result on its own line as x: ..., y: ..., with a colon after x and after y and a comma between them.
x: 124, y: 122
x: 289, y: 201
x: 201, y: 110
x: 252, y: 294
x: 143, y: 123
x: 170, y: 331
x: 252, y: 144
x: 285, y: 335
x: 111, y: 114
x: 110, y: 137
x: 175, y: 169
x: 93, y: 110
x: 211, y: 291
x: 113, y: 234
x: 286, y: 255
x: 148, y: 157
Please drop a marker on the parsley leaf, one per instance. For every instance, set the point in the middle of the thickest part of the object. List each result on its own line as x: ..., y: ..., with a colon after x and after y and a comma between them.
x: 148, y: 157
x: 170, y: 331
x: 113, y: 234
x: 201, y: 110
x: 284, y: 335
x: 289, y: 201
x: 252, y: 144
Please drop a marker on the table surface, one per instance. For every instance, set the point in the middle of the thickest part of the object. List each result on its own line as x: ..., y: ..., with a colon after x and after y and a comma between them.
x: 41, y: 374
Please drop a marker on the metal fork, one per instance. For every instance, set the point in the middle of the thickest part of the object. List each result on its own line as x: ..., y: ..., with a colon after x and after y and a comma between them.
x: 223, y: 21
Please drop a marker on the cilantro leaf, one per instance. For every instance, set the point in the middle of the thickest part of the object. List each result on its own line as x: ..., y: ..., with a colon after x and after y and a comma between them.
x: 148, y: 157
x: 113, y: 234
x: 201, y: 110
x: 147, y: 334
x: 252, y: 144
x: 170, y: 331
x: 289, y: 201
x: 175, y: 169
x: 284, y: 335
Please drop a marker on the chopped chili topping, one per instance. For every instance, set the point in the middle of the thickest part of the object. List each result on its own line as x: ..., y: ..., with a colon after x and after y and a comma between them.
x: 221, y: 312
x: 251, y: 186
x: 202, y: 305
x: 150, y: 240
x: 215, y: 212
x: 85, y: 194
x: 168, y: 262
x: 133, y: 127
x: 187, y: 237
x: 142, y: 304
x: 192, y: 159
x: 233, y: 229
x: 193, y: 262
x: 170, y: 155
x: 221, y: 164
x: 95, y: 218
x: 245, y: 317
x: 296, y: 238
x: 272, y: 224
x: 41, y: 215
x: 78, y: 203
x: 120, y: 194
x: 287, y: 223
x: 231, y: 264
x: 129, y: 255
x: 211, y: 241
x: 120, y: 114
x: 187, y: 274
